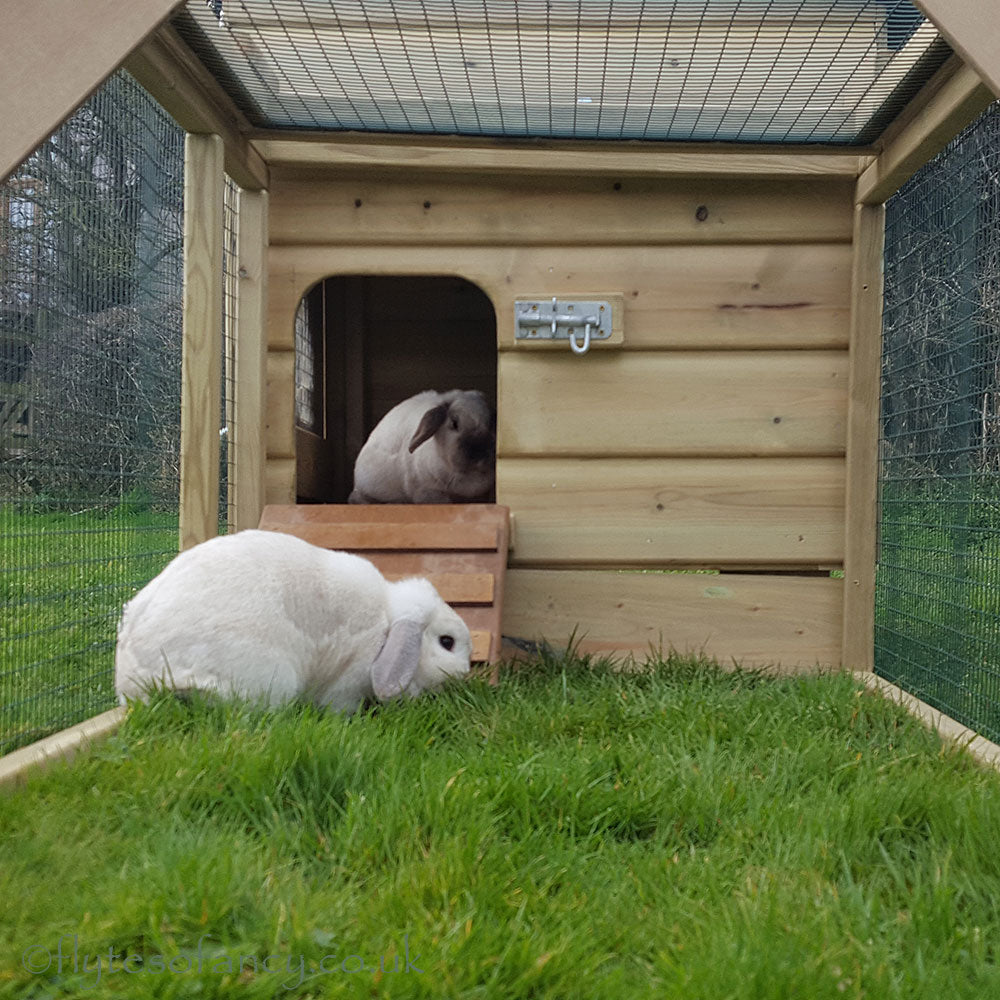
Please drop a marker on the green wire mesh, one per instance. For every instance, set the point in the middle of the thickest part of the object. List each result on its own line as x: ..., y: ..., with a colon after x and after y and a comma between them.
x: 830, y: 71
x: 90, y: 349
x: 937, y: 631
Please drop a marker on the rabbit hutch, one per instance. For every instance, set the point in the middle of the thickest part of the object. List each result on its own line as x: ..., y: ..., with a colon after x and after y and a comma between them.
x: 651, y: 234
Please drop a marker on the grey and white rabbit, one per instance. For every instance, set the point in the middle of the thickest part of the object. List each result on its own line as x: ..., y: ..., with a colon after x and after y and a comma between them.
x: 262, y: 614
x: 435, y: 447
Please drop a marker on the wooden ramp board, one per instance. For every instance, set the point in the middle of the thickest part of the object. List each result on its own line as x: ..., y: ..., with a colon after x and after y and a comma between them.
x: 460, y: 548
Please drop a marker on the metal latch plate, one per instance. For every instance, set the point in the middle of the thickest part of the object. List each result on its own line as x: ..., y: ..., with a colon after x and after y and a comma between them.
x: 556, y: 319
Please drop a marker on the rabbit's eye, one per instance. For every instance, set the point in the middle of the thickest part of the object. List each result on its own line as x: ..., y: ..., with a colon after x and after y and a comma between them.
x: 447, y: 641
x: 454, y: 424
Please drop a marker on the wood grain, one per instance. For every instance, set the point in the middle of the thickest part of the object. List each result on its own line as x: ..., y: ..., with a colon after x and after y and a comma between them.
x: 201, y: 357
x: 673, y: 512
x: 757, y: 621
x: 861, y: 525
x: 377, y: 210
x: 714, y: 297
x: 251, y: 360
x: 673, y: 404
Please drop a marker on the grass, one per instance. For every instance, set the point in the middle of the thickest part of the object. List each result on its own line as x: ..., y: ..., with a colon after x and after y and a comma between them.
x: 937, y: 612
x: 63, y: 579
x: 576, y: 832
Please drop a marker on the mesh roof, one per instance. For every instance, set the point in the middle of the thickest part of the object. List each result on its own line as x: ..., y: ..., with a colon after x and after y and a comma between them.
x: 832, y: 71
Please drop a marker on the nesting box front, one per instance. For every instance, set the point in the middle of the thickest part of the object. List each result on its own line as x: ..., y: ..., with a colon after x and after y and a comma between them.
x: 707, y: 433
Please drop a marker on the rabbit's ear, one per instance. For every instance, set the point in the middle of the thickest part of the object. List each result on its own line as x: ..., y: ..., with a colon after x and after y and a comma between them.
x: 429, y: 425
x: 397, y: 662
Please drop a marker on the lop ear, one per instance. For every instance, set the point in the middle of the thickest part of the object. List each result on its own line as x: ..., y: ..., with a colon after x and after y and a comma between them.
x: 396, y: 663
x: 429, y: 425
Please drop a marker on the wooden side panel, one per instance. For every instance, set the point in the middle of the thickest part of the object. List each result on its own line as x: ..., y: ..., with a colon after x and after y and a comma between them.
x: 862, y: 440
x: 683, y: 403
x: 201, y: 364
x: 280, y: 429
x: 251, y: 360
x: 54, y: 54
x: 755, y: 620
x: 663, y: 512
x: 562, y: 211
x: 971, y: 30
x: 715, y: 297
x: 462, y: 548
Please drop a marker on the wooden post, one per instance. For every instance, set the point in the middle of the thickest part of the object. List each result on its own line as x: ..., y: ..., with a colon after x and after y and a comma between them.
x: 201, y: 363
x: 861, y: 519
x: 251, y: 356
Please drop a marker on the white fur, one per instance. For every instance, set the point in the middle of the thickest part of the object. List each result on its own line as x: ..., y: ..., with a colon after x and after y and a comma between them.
x: 387, y: 471
x: 262, y: 614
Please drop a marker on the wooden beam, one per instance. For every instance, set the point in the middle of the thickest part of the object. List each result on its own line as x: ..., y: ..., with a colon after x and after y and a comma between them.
x: 172, y: 74
x: 251, y: 356
x: 758, y: 621
x: 18, y: 766
x: 693, y: 404
x: 507, y: 158
x: 201, y: 361
x: 952, y: 99
x: 548, y: 210
x: 54, y: 54
x: 972, y: 29
x: 861, y: 518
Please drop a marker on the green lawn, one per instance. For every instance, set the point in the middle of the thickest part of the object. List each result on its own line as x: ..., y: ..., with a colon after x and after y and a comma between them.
x: 574, y: 833
x: 63, y: 580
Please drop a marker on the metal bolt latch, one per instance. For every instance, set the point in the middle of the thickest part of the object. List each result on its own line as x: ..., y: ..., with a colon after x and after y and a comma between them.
x: 579, y: 322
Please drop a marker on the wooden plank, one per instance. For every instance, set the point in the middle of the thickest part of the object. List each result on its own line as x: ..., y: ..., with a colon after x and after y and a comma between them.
x: 972, y: 30
x: 714, y: 297
x: 279, y: 480
x: 673, y: 512
x: 189, y: 93
x: 758, y: 621
x: 359, y: 537
x: 280, y: 418
x: 201, y: 362
x: 860, y: 546
x: 18, y: 766
x: 54, y: 55
x: 387, y: 513
x: 446, y: 155
x: 949, y: 102
x: 481, y: 642
x: 737, y: 403
x: 251, y: 360
x: 984, y: 750
x: 457, y: 588
x: 544, y: 211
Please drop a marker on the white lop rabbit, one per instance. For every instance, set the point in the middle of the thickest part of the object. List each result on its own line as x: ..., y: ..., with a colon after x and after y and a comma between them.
x: 435, y: 447
x: 262, y: 614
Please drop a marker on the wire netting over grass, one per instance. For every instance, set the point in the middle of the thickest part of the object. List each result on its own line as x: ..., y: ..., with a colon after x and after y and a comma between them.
x: 937, y: 630
x: 90, y: 352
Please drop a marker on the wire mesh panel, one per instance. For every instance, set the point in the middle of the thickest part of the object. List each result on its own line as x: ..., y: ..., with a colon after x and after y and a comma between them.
x: 937, y: 630
x: 90, y: 349
x: 230, y: 300
x: 729, y: 70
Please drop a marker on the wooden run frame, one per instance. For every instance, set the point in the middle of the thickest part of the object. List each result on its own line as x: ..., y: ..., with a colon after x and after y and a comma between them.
x: 221, y: 140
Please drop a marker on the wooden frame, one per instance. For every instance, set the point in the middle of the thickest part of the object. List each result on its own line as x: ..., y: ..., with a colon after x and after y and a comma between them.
x: 251, y: 355
x: 861, y: 514
x: 54, y: 55
x: 445, y: 155
x: 972, y: 29
x: 201, y: 362
x: 949, y: 102
x: 170, y: 73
